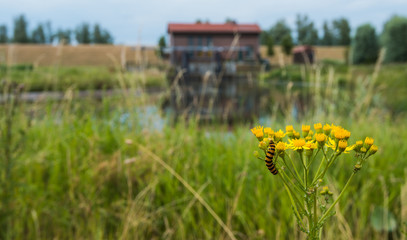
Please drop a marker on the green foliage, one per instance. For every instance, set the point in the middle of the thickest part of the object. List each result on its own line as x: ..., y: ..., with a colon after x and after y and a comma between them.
x: 287, y: 44
x: 101, y: 36
x: 3, y: 34
x: 161, y: 45
x: 395, y: 38
x: 365, y: 45
x: 306, y: 32
x: 279, y: 31
x: 270, y: 46
x: 83, y: 34
x: 342, y: 32
x: 38, y: 35
x: 328, y: 38
x: 20, y: 30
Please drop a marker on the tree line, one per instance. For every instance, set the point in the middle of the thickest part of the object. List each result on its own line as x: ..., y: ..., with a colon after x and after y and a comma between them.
x: 365, y: 45
x: 44, y: 34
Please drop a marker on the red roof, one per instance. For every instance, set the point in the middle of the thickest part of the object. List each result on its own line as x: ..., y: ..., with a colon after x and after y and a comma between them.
x: 213, y: 28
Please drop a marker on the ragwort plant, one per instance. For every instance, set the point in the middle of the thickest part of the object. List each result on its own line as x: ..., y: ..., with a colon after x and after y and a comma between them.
x: 302, y: 163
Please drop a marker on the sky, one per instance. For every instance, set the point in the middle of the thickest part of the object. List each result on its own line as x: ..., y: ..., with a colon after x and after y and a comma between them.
x: 143, y: 22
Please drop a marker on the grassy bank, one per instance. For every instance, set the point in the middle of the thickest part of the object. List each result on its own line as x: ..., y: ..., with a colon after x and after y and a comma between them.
x: 81, y: 78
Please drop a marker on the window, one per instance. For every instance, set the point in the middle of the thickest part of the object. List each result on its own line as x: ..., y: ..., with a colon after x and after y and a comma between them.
x: 209, y: 42
x: 191, y: 46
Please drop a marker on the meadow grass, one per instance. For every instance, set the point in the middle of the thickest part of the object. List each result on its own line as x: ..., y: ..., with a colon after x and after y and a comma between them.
x: 85, y: 171
x: 107, y: 169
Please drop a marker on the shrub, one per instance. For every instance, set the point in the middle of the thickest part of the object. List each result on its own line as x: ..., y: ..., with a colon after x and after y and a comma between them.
x: 365, y: 45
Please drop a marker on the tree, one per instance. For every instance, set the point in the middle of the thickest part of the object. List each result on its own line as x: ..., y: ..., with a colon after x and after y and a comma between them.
x: 97, y: 34
x: 38, y: 35
x: 63, y: 36
x: 3, y: 34
x: 101, y: 36
x: 328, y: 38
x: 49, y: 35
x: 263, y: 37
x: 270, y: 46
x: 279, y: 30
x: 287, y: 44
x: 394, y: 39
x: 365, y: 45
x: 161, y: 45
x: 20, y: 30
x: 82, y: 34
x: 306, y: 32
x: 342, y: 32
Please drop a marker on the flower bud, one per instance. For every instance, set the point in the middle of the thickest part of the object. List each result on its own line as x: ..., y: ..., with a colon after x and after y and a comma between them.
x: 373, y: 149
x: 327, y: 129
x: 305, y: 130
x: 357, y: 167
x: 256, y: 154
x: 318, y: 127
x: 296, y: 134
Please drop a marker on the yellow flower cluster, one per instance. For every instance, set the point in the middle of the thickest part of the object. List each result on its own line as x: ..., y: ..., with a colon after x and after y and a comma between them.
x: 328, y: 135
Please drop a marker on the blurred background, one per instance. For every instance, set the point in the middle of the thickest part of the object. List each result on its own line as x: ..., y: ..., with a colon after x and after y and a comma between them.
x: 131, y: 120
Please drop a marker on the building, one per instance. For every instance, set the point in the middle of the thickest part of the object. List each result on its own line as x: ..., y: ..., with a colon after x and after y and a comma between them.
x: 200, y: 47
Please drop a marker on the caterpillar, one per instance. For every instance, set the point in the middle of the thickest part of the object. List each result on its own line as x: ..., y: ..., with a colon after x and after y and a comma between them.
x: 269, y: 158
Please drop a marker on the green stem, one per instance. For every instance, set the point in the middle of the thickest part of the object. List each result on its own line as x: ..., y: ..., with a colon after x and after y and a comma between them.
x: 294, y: 176
x: 295, y: 169
x: 336, y: 201
x: 300, y: 188
x: 315, y: 208
x: 320, y: 166
x: 292, y: 202
x: 305, y: 170
x: 328, y: 164
x: 309, y: 164
x: 292, y: 193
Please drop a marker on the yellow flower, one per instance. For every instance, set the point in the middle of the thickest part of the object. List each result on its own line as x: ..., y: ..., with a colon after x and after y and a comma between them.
x: 257, y: 129
x: 369, y: 142
x: 341, y: 133
x: 298, y: 144
x: 341, y: 147
x: 289, y: 128
x: 342, y: 144
x: 306, y: 128
x: 327, y: 129
x: 318, y: 127
x: 278, y: 135
x: 320, y: 137
x: 269, y: 132
x: 258, y: 132
x: 363, y: 150
x: 281, y: 146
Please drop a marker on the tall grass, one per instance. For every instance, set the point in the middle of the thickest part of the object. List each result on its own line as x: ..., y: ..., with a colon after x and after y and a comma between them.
x: 96, y: 169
